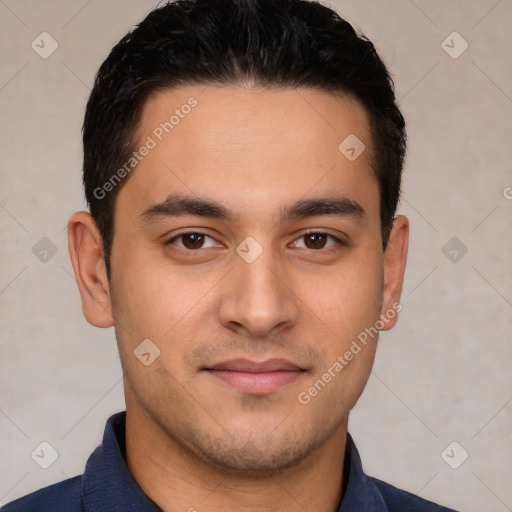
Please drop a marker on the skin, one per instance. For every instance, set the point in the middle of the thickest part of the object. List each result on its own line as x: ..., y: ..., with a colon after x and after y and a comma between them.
x: 195, y: 442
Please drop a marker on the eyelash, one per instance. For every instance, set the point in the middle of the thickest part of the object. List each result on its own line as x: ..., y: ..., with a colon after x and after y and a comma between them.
x: 312, y: 232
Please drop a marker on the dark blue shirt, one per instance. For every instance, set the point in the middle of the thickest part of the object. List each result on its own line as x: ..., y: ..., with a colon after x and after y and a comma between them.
x: 108, y: 486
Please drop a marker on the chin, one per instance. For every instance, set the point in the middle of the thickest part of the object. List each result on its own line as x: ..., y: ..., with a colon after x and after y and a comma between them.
x: 254, y: 454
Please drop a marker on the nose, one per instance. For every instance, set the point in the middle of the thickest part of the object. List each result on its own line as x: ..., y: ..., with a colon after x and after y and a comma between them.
x: 258, y: 300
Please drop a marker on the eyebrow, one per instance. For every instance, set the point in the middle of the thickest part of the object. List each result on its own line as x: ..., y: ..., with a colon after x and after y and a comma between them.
x: 176, y: 205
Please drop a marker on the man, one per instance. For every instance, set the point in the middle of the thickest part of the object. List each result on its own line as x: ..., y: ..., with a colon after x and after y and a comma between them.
x: 242, y: 164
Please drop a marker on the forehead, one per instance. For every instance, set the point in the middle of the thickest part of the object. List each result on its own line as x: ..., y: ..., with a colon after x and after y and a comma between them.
x: 232, y: 115
x: 251, y: 146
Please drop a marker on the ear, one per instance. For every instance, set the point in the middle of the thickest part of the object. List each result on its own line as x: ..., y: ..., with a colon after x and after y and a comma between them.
x: 88, y: 259
x: 395, y: 257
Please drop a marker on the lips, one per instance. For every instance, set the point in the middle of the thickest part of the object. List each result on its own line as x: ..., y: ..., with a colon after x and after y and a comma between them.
x: 256, y: 377
x: 246, y: 365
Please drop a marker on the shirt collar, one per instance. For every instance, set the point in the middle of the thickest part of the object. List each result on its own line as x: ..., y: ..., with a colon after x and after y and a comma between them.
x: 361, y: 493
x: 108, y: 484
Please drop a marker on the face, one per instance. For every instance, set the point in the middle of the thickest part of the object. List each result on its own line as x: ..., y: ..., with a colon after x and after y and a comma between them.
x: 248, y: 249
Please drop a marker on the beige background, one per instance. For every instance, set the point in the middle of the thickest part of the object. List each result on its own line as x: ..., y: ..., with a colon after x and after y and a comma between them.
x: 442, y: 375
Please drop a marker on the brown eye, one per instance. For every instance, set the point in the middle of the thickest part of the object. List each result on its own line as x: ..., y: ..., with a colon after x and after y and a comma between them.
x: 317, y: 241
x: 192, y: 241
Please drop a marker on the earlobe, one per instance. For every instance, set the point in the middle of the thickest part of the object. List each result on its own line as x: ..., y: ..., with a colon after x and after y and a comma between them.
x: 87, y: 257
x: 395, y: 257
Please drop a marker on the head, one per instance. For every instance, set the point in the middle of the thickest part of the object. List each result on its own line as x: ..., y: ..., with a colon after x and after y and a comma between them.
x: 265, y: 44
x: 228, y: 222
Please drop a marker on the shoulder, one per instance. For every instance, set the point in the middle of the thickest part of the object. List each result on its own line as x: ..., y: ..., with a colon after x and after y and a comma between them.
x: 398, y: 500
x: 61, y: 497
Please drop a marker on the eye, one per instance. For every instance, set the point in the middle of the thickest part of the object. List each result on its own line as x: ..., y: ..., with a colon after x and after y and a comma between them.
x: 192, y: 241
x: 316, y: 241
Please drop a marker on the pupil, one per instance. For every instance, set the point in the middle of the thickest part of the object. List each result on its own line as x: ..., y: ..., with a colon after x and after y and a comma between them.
x: 193, y: 240
x: 316, y: 240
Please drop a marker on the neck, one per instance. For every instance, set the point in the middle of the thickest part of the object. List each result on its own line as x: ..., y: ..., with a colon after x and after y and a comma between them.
x: 177, y: 480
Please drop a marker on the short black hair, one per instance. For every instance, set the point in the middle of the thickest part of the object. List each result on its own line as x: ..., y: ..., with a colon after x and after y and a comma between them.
x: 268, y: 43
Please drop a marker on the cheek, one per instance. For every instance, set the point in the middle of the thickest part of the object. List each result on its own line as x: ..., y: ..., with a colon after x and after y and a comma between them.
x: 154, y: 299
x: 333, y: 393
x: 348, y: 299
x: 157, y: 303
x: 349, y: 305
